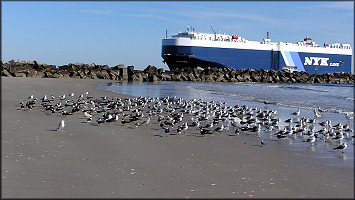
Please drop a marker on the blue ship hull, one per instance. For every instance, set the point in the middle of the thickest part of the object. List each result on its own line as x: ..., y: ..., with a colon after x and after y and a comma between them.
x: 194, y: 56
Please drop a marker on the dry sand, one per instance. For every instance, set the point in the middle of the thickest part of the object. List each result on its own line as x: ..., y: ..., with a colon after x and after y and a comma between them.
x: 115, y: 161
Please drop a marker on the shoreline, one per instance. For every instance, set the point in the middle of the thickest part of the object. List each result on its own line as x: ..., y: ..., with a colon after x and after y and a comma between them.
x: 115, y: 161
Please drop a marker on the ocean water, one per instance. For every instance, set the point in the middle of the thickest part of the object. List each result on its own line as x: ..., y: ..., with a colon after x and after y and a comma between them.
x: 333, y: 99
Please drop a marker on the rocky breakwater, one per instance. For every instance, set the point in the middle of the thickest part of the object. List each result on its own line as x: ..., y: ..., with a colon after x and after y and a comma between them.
x: 152, y: 74
x: 76, y: 70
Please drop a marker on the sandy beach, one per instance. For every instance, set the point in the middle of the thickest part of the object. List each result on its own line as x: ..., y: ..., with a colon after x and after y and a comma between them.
x: 121, y: 161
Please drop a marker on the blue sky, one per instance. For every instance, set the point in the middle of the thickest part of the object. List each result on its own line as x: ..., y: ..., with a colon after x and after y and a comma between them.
x: 130, y: 33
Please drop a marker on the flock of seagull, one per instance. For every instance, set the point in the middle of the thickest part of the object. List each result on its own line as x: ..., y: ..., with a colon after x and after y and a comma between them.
x: 175, y: 116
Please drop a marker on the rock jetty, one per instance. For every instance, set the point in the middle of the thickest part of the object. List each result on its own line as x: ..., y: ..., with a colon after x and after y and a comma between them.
x: 153, y: 74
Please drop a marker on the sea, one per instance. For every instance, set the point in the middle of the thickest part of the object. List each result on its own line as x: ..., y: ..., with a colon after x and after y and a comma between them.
x: 333, y: 101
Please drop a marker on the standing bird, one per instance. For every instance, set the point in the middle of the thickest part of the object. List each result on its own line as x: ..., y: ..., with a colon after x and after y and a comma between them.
x: 178, y: 131
x: 116, y: 118
x: 87, y: 115
x: 343, y: 146
x: 297, y: 113
x: 289, y: 120
x: 311, y: 140
x: 167, y: 131
x: 348, y: 116
x: 184, y: 127
x: 146, y: 122
x: 89, y: 119
x: 320, y: 110
x: 22, y: 105
x: 100, y: 121
x: 317, y: 114
x: 204, y: 131
x: 237, y: 130
x: 61, y: 125
x: 220, y: 128
x: 209, y: 126
x: 262, y: 143
x: 62, y: 97
x: 44, y: 98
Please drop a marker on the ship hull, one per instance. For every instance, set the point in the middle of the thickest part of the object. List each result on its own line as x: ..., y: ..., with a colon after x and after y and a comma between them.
x: 177, y: 54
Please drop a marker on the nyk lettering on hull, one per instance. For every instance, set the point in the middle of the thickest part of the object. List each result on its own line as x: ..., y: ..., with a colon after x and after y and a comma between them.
x: 315, y: 61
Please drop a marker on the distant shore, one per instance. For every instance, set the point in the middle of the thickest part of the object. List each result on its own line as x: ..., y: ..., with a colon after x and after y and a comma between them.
x: 87, y: 160
x: 152, y: 74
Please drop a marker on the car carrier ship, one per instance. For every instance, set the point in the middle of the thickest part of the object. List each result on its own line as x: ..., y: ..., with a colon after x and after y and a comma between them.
x: 193, y: 49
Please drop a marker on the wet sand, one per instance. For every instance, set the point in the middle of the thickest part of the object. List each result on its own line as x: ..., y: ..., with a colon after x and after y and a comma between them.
x: 116, y: 161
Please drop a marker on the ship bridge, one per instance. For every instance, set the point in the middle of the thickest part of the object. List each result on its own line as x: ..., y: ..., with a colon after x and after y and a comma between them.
x: 208, y: 36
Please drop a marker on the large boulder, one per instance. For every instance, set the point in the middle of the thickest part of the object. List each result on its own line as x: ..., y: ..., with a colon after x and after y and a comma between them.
x: 191, y: 77
x: 123, y: 74
x: 6, y: 73
x: 176, y: 77
x: 150, y: 69
x: 220, y: 78
x: 166, y: 77
x: 153, y: 78
x: 117, y: 67
x: 137, y: 77
x: 32, y: 73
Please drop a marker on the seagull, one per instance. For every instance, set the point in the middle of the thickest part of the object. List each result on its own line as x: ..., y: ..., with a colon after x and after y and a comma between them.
x: 62, y: 97
x: 343, y: 146
x: 22, y: 105
x: 309, y: 120
x: 204, y: 131
x: 178, y: 130
x: 262, y: 143
x: 339, y: 136
x: 44, y: 98
x: 123, y: 121
x: 265, y: 102
x: 325, y: 123
x: 269, y: 128
x: 348, y: 116
x: 320, y: 110
x: 237, y: 130
x: 289, y: 121
x: 220, y: 128
x: 196, y: 123
x: 146, y: 122
x: 279, y: 136
x: 167, y: 131
x: 210, y: 125
x: 87, y: 114
x: 100, y: 121
x: 297, y: 113
x: 30, y: 97
x: 317, y: 114
x: 311, y: 139
x: 184, y: 126
x: 61, y: 125
x: 89, y: 119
